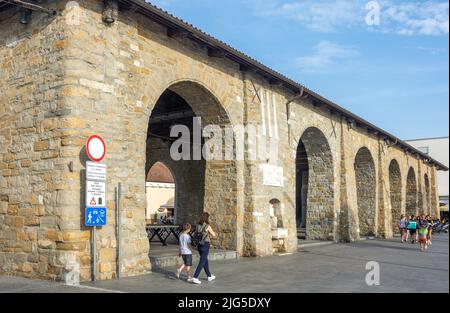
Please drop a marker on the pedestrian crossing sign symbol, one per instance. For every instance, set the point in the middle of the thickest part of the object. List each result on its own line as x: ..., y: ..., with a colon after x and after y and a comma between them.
x: 95, y: 217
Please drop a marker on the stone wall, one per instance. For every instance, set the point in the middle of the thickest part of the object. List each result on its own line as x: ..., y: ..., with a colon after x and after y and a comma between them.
x: 67, y: 77
x: 38, y: 235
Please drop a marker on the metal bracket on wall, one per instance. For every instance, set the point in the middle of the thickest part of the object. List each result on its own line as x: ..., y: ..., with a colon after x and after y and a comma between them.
x: 256, y: 92
x: 300, y: 95
x: 333, y: 125
x: 382, y: 146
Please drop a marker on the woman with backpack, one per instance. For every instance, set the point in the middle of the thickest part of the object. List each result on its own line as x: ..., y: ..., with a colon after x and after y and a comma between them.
x: 403, y: 225
x: 412, y: 228
x: 203, y: 235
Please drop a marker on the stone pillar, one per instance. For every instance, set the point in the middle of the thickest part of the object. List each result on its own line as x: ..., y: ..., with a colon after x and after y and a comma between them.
x: 101, y: 104
x: 434, y: 191
x: 383, y: 211
x: 347, y: 223
x: 257, y: 235
x: 420, y: 191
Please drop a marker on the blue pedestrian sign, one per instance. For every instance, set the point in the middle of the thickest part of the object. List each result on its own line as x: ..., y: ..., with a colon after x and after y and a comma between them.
x: 95, y: 217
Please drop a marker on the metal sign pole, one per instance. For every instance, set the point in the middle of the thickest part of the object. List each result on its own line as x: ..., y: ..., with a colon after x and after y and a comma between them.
x: 119, y: 226
x: 94, y: 253
x: 96, y: 210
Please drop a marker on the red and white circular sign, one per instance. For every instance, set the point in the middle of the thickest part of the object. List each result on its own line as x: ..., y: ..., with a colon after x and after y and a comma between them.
x: 96, y: 148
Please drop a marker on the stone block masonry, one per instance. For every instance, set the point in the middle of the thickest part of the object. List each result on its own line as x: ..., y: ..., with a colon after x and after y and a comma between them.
x: 71, y: 75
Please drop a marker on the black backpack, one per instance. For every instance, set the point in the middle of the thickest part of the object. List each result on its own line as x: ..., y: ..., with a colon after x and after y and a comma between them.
x: 198, y: 238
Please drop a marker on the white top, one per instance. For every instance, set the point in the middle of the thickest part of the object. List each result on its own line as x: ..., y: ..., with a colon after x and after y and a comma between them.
x: 185, y: 240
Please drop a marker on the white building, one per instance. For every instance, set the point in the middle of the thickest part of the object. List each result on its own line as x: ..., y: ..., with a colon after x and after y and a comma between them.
x: 438, y: 149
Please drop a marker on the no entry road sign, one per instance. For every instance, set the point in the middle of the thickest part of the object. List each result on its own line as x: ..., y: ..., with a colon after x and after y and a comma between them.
x: 96, y: 148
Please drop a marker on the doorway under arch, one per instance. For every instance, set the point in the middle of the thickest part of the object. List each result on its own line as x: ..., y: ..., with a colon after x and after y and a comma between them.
x: 190, y: 107
x: 411, y: 193
x: 160, y: 193
x: 315, y: 186
x: 366, y: 185
x: 395, y: 188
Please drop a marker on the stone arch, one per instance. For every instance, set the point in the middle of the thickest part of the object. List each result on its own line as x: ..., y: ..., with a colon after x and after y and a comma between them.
x: 315, y: 185
x: 411, y: 193
x: 427, y: 200
x: 200, y: 182
x: 210, y: 89
x: 395, y: 190
x: 165, y: 175
x: 366, y: 191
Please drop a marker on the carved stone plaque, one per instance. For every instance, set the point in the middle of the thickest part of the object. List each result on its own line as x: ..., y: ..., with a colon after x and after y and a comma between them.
x: 272, y: 175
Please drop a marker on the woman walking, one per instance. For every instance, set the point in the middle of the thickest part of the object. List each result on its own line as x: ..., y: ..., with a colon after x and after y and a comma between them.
x: 407, y: 228
x: 430, y: 230
x: 204, y: 244
x: 403, y: 225
x: 412, y: 228
x: 423, y: 235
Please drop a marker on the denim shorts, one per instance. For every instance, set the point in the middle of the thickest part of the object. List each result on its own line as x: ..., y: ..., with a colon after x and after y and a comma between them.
x: 187, y: 259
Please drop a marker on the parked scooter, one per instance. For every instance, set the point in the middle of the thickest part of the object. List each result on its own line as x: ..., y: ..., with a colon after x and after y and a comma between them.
x: 439, y: 228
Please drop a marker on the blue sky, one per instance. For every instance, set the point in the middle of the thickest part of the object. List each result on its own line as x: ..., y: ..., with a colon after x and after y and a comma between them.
x: 386, y: 60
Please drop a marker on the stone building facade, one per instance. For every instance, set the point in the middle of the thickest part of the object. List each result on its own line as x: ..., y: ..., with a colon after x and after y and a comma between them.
x: 89, y: 70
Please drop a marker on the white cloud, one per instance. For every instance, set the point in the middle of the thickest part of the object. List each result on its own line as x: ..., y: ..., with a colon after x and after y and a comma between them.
x: 322, y: 16
x: 416, y: 18
x: 326, y: 54
x: 432, y: 50
x: 403, y: 17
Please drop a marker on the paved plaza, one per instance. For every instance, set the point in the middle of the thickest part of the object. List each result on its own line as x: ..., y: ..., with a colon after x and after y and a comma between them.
x: 330, y: 268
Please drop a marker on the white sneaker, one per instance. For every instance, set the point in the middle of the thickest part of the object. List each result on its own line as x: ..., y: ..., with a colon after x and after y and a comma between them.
x: 190, y: 280
x: 178, y: 273
x: 196, y: 281
x: 211, y: 278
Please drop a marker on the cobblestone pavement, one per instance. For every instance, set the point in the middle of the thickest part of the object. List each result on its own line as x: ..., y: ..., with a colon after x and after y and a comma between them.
x: 332, y: 268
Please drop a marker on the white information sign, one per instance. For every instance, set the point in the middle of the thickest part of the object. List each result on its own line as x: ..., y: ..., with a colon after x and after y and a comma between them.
x: 96, y: 171
x: 272, y: 175
x: 95, y: 194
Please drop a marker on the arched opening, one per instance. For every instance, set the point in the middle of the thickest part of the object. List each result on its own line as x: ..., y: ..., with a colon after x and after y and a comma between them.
x: 427, y: 202
x: 279, y: 233
x: 395, y: 187
x: 184, y: 110
x: 160, y: 192
x: 411, y: 193
x: 366, y: 192
x: 314, y: 186
x: 276, y: 214
x: 170, y: 110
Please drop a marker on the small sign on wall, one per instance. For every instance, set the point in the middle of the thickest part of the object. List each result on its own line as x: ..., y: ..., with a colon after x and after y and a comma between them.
x: 96, y: 171
x: 272, y: 175
x: 95, y: 217
x: 95, y: 194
